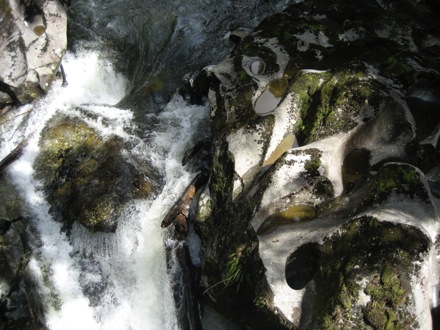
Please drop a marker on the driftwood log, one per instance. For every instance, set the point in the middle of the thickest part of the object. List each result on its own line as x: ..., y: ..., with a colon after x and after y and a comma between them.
x: 179, y: 212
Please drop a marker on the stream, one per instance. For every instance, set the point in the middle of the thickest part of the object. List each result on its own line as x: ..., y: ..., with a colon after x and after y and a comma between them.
x: 125, y: 61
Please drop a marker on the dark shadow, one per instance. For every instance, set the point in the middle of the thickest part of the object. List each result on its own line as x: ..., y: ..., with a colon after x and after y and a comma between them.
x: 302, y: 265
x: 435, y: 315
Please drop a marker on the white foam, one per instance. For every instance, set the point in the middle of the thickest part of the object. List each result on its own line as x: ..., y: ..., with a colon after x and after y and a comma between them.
x: 91, y: 79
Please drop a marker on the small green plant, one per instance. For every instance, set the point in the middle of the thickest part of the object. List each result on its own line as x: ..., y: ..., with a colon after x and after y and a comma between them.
x: 234, y: 270
x: 234, y: 273
x: 313, y: 164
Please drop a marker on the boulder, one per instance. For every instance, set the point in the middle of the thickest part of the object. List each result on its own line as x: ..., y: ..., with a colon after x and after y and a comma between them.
x: 33, y: 42
x: 85, y: 176
x: 324, y: 161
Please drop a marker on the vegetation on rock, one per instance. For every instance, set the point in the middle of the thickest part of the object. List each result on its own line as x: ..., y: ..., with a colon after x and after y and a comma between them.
x: 374, y: 257
x: 340, y: 70
x: 85, y: 177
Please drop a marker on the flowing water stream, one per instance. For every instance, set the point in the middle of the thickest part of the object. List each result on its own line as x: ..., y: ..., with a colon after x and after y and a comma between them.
x: 119, y: 281
x: 127, y: 269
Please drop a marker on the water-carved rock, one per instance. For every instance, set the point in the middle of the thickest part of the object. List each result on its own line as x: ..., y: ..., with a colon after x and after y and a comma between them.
x: 291, y: 215
x: 350, y: 83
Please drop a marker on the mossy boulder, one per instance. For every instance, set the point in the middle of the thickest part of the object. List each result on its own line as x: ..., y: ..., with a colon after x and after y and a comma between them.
x: 349, y: 84
x: 85, y: 176
x: 365, y: 277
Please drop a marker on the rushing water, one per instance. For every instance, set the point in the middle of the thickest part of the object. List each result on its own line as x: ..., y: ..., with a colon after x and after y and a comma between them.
x: 127, y: 269
x: 119, y: 281
x: 157, y: 42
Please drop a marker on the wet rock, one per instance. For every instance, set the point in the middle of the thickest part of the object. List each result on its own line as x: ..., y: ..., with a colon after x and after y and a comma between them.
x: 424, y: 103
x: 85, y: 176
x: 94, y: 283
x: 20, y: 305
x: 387, y: 135
x: 351, y: 84
x: 34, y: 36
x: 291, y: 215
x: 373, y: 261
x: 355, y: 166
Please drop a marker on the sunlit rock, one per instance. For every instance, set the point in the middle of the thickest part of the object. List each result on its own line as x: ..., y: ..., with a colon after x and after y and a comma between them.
x: 85, y: 176
x: 34, y: 40
x: 331, y: 212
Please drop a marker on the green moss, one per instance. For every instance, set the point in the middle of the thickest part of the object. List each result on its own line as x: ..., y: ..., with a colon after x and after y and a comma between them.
x: 327, y: 323
x: 220, y: 182
x: 222, y: 174
x: 85, y: 177
x: 12, y: 206
x: 391, y: 284
x: 401, y: 179
x: 384, y: 254
x: 312, y: 26
x: 388, y: 296
x: 313, y: 165
x: 394, y: 67
x: 329, y: 102
x: 5, y: 8
x: 242, y: 74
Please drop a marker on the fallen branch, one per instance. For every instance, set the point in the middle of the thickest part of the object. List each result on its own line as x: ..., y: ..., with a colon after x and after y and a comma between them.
x: 179, y: 212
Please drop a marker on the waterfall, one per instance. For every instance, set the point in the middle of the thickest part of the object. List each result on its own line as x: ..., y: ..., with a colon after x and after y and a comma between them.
x: 126, y: 270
